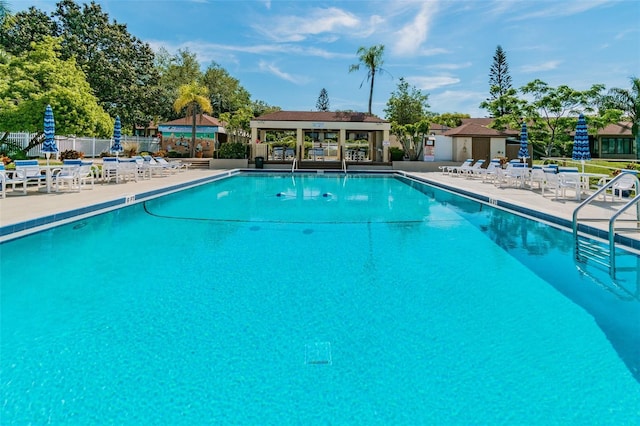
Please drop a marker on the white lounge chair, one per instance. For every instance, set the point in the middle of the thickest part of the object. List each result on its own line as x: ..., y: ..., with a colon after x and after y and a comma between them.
x: 155, y: 167
x: 172, y: 166
x: 490, y: 172
x: 473, y: 169
x: 448, y: 169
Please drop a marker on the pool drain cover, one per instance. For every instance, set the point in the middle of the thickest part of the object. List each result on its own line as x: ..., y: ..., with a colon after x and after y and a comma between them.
x: 318, y: 353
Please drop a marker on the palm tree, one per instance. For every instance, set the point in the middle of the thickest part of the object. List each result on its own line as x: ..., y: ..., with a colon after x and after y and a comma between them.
x: 627, y: 101
x: 193, y: 98
x: 372, y: 59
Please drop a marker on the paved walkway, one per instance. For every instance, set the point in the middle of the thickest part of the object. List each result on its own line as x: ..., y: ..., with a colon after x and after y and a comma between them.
x: 18, y: 208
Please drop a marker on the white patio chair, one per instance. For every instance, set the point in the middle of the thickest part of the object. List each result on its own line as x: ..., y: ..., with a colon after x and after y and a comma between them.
x: 86, y: 174
x: 13, y: 178
x: 67, y: 176
x: 556, y: 182
x: 30, y: 169
x: 625, y: 184
x: 109, y: 169
x: 537, y: 178
x: 144, y: 171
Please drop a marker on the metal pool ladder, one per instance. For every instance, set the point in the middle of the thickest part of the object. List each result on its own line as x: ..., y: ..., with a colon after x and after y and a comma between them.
x: 585, y: 249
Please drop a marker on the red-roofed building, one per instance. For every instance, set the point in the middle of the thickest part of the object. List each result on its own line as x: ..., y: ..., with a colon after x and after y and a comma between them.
x: 475, y: 139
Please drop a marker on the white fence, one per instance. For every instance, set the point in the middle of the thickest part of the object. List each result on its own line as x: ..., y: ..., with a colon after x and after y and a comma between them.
x: 91, y: 147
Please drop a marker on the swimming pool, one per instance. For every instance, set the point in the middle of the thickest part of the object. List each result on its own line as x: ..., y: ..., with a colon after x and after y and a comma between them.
x: 313, y: 299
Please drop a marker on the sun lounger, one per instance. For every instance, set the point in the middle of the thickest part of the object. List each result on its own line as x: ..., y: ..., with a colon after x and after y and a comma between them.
x: 448, y: 169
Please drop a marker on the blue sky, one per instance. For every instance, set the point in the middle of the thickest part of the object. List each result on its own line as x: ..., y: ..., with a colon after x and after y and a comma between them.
x: 285, y: 52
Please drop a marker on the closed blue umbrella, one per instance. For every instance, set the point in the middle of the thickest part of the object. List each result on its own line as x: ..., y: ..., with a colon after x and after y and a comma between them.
x: 581, y: 142
x: 523, y: 152
x: 49, y: 147
x: 117, y: 134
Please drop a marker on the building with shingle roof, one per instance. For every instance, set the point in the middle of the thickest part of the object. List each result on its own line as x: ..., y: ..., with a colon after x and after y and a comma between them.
x: 329, y: 131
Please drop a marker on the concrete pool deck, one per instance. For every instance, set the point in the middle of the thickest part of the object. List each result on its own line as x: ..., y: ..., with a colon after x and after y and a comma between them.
x: 18, y: 208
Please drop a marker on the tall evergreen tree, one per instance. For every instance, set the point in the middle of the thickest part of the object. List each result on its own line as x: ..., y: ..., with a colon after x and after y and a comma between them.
x: 323, y: 101
x: 501, y: 99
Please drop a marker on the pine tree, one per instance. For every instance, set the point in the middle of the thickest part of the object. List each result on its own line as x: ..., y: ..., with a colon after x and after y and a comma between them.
x: 499, y: 102
x: 323, y: 101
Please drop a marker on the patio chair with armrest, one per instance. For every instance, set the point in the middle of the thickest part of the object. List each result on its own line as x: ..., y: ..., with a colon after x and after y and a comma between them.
x: 109, y: 169
x: 30, y: 169
x: 623, y: 186
x: 538, y: 178
x: 67, y: 175
x: 13, y: 178
x: 558, y: 183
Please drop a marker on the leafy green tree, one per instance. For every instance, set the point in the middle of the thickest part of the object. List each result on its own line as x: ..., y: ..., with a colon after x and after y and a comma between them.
x: 449, y: 119
x: 502, y: 96
x: 4, y: 11
x: 371, y: 58
x: 192, y: 98
x: 175, y: 71
x: 323, y: 100
x: 407, y: 110
x: 628, y: 102
x: 261, y: 107
x: 20, y: 30
x: 552, y: 111
x: 407, y: 104
x: 225, y: 92
x: 119, y: 67
x: 237, y: 122
x: 37, y: 77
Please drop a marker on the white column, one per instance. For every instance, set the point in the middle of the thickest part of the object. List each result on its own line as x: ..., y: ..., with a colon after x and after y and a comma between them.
x: 300, y: 143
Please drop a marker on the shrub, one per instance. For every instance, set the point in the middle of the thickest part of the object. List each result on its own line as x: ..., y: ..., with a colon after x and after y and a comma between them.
x: 71, y: 154
x: 232, y: 150
x: 397, y: 154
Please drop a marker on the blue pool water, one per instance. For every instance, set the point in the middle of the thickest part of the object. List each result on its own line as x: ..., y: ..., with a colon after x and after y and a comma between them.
x: 313, y: 300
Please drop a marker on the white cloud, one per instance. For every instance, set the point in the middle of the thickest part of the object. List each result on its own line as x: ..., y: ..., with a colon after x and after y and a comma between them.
x: 272, y: 69
x: 557, y: 9
x: 409, y: 39
x: 545, y: 66
x: 430, y: 83
x: 315, y: 21
x: 454, y: 66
